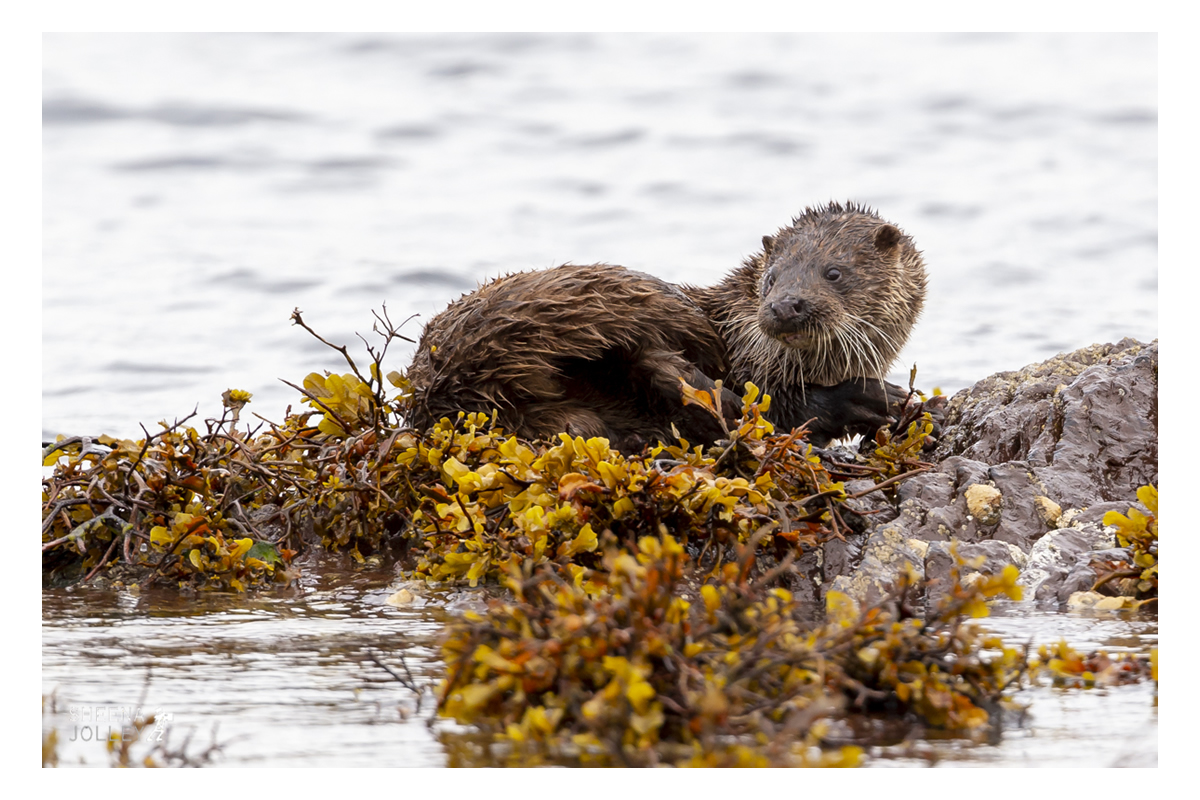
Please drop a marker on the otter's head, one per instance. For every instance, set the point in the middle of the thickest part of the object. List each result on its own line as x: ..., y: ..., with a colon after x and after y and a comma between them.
x: 839, y: 290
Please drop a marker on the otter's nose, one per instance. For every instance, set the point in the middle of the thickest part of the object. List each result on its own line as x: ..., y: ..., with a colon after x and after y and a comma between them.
x: 790, y: 308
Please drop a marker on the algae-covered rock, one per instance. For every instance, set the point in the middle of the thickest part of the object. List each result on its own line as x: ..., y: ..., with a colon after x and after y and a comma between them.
x: 885, y: 555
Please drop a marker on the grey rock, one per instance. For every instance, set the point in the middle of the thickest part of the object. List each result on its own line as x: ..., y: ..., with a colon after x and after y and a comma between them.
x: 1028, y: 463
x: 1023, y: 520
x: 931, y: 489
x: 875, y: 504
x: 939, y: 560
x: 964, y: 471
x: 1052, y: 558
x: 836, y: 559
x: 1113, y: 554
x: 806, y: 591
x: 941, y: 523
x: 1081, y: 578
x: 1086, y: 422
x: 1095, y: 513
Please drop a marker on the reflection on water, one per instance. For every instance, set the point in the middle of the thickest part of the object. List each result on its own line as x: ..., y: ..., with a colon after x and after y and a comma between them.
x: 290, y: 680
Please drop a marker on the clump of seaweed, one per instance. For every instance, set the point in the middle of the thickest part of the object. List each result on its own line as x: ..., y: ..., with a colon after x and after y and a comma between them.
x: 231, y: 507
x: 171, y: 507
x: 615, y: 666
x: 1138, y: 533
x: 896, y: 451
x: 499, y: 501
x: 228, y: 509
x: 1066, y: 667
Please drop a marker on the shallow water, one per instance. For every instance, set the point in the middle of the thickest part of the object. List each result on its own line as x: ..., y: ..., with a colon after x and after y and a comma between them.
x: 291, y: 681
x: 197, y: 188
x: 1100, y: 727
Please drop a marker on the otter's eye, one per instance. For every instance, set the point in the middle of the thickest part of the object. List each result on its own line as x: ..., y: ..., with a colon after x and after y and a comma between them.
x: 833, y: 274
x: 768, y: 282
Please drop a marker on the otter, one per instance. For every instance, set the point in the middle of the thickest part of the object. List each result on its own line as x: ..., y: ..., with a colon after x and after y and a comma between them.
x: 817, y: 318
x: 814, y: 319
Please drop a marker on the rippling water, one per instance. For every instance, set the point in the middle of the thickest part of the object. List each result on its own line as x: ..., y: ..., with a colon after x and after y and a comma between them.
x: 197, y: 188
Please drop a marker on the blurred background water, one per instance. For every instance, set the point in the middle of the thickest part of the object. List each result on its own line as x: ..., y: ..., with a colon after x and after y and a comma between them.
x: 199, y: 187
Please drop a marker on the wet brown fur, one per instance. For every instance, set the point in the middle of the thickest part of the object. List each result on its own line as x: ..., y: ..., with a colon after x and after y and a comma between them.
x: 594, y: 350
x: 599, y: 350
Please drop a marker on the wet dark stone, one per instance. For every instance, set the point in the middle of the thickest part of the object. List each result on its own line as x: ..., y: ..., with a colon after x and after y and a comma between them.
x: 1086, y: 422
x: 1047, y: 591
x: 964, y: 471
x: 1053, y: 559
x: 1112, y: 554
x: 805, y: 587
x: 874, y: 508
x: 944, y: 522
x: 1021, y: 521
x: 1095, y: 513
x: 930, y: 489
x: 1081, y: 578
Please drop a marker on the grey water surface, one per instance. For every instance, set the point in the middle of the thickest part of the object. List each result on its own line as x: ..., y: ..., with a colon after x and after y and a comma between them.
x: 197, y: 188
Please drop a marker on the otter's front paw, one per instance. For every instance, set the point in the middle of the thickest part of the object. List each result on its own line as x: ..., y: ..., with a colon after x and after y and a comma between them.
x: 871, y: 405
x: 857, y: 406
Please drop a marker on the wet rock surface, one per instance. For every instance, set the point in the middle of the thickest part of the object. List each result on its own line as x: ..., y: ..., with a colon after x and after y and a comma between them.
x: 1027, y: 464
x: 1086, y: 422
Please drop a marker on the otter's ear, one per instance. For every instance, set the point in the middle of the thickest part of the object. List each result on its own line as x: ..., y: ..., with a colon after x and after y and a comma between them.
x: 887, y: 237
x: 768, y: 245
